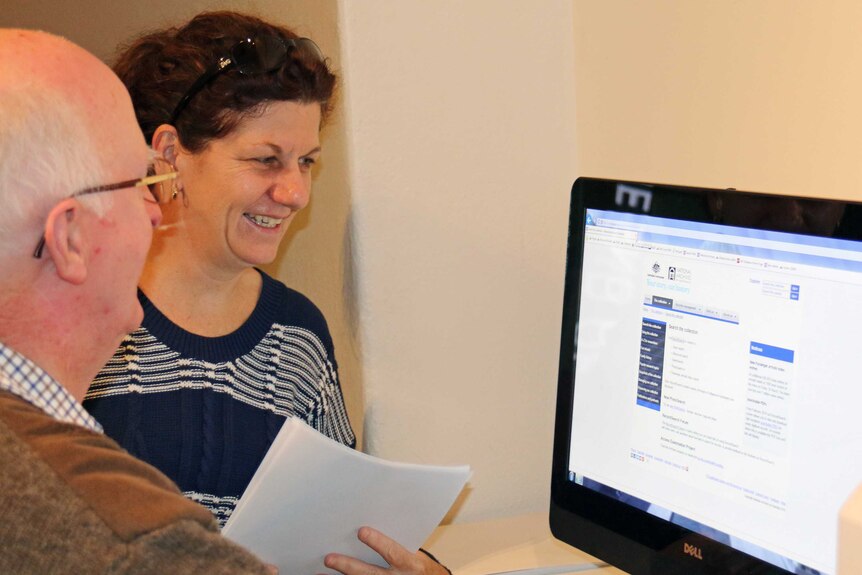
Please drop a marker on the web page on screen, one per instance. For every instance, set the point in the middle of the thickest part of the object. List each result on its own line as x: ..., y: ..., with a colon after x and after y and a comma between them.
x: 717, y: 377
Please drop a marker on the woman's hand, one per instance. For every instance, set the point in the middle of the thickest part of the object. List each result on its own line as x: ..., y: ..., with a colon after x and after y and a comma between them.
x: 401, y: 561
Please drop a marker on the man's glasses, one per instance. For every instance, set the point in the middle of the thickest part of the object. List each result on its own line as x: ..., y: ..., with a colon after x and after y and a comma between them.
x: 252, y: 56
x: 156, y: 194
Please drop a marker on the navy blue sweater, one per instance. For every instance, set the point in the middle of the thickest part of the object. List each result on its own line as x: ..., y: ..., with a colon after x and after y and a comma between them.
x: 204, y: 410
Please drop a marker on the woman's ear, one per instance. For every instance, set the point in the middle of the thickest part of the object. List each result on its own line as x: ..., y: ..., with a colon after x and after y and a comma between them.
x: 65, y: 240
x: 166, y: 143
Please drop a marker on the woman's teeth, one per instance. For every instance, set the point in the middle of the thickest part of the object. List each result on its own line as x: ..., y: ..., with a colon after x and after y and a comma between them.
x: 264, y: 221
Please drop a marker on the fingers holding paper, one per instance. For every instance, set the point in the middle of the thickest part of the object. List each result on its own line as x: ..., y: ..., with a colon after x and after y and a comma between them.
x: 400, y: 560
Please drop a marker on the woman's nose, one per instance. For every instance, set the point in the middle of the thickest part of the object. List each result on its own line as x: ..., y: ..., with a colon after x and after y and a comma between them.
x: 293, y: 190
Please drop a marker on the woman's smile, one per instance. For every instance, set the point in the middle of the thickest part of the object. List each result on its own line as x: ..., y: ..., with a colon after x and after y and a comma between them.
x: 264, y: 221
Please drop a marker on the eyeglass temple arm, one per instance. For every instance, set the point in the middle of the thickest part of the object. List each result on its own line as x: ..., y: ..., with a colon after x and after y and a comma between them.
x: 147, y: 181
x: 198, y: 85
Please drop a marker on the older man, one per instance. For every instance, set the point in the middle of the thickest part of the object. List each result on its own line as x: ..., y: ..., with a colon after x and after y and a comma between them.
x: 70, y: 500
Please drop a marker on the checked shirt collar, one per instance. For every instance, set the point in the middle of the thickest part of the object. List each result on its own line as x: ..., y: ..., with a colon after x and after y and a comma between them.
x: 22, y: 377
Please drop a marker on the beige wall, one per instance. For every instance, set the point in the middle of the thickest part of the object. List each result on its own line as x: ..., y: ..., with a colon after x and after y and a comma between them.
x: 460, y: 132
x: 763, y: 95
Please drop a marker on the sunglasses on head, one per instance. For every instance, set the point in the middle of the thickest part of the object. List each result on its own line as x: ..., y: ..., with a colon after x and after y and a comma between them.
x: 252, y: 56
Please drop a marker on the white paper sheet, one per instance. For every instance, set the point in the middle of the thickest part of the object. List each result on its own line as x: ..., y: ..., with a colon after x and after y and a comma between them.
x: 310, y: 496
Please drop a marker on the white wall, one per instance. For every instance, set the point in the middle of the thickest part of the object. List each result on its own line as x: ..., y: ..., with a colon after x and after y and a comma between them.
x: 460, y: 131
x: 461, y: 145
x: 763, y: 95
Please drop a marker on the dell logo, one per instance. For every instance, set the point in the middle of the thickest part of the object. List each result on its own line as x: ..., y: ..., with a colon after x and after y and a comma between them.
x: 692, y: 550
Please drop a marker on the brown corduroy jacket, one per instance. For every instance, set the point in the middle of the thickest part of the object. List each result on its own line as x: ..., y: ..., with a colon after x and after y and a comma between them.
x: 72, y: 501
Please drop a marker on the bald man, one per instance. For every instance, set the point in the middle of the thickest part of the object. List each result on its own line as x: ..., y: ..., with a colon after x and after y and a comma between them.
x: 75, y: 227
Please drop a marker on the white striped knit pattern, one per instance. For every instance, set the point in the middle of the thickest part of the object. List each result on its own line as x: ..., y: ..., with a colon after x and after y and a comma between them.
x: 287, y: 373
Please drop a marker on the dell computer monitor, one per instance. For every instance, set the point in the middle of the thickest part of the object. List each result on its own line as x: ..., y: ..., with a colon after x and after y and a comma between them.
x: 709, y: 410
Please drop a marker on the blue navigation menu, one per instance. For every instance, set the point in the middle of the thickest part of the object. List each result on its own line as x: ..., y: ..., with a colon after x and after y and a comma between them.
x: 651, y: 367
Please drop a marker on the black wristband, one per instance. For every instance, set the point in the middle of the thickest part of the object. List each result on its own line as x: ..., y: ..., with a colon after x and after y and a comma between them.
x: 437, y: 561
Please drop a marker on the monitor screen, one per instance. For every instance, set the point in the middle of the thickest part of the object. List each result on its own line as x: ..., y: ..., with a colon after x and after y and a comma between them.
x: 709, y: 385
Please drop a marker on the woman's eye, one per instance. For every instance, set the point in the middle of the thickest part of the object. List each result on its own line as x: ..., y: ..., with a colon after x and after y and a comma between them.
x: 307, y: 163
x: 267, y: 160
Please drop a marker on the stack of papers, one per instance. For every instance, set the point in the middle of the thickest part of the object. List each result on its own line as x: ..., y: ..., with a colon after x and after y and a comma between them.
x: 310, y: 496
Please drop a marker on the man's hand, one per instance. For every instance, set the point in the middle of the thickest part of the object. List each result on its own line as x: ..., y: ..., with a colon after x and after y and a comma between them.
x: 401, y: 561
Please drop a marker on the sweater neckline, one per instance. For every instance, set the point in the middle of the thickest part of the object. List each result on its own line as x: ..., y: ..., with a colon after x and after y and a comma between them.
x: 220, y: 348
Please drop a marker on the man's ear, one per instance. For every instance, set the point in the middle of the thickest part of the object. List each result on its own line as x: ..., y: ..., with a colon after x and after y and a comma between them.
x: 65, y: 241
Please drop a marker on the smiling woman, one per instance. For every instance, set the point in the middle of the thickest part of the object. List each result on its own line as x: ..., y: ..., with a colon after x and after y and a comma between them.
x: 253, y: 180
x: 225, y: 353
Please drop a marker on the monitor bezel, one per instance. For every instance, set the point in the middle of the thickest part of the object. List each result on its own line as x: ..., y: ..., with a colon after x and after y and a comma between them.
x: 624, y: 536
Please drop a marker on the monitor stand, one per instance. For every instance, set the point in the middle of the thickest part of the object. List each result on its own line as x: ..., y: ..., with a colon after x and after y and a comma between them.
x: 519, y: 545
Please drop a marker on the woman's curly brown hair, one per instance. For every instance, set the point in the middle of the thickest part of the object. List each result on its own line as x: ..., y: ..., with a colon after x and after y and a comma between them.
x: 159, y: 67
